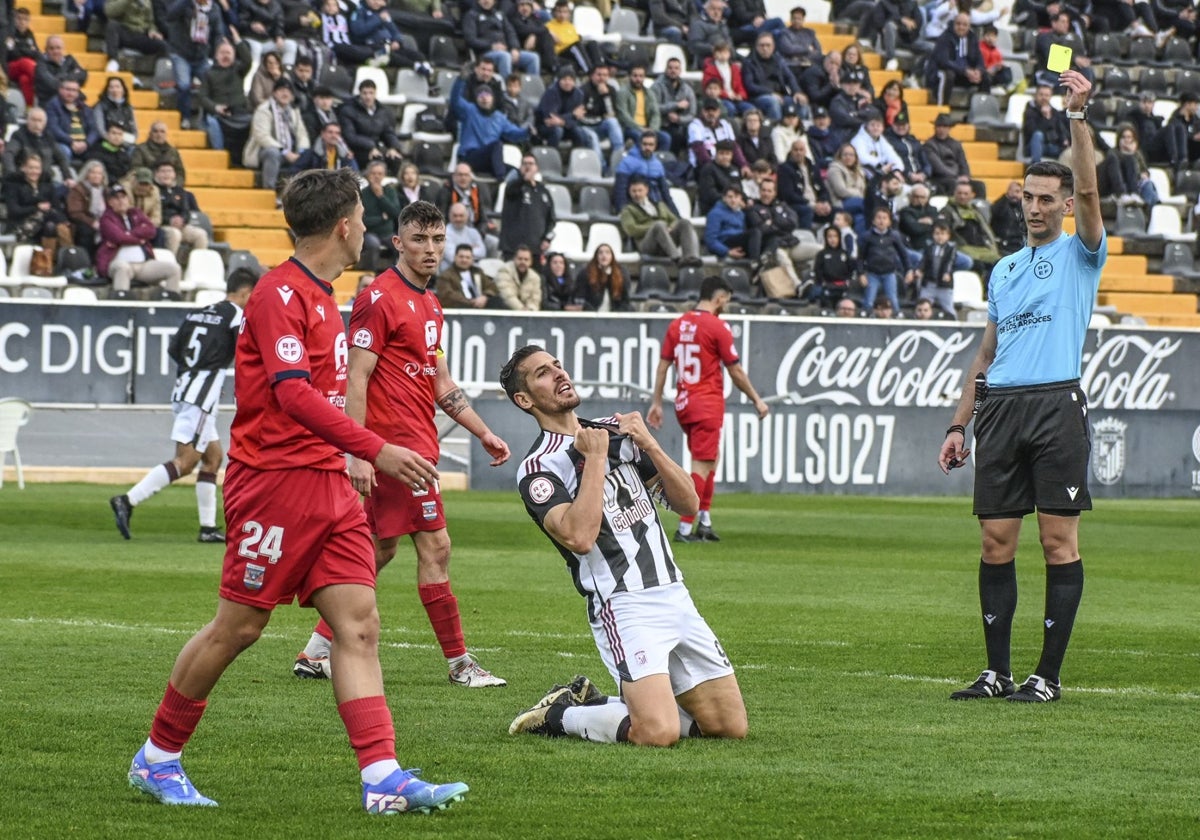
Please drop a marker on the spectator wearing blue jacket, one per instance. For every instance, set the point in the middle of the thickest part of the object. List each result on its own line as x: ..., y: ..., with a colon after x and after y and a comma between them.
x: 371, y: 26
x: 482, y: 130
x: 489, y: 33
x: 643, y: 161
x: 69, y: 121
x: 768, y: 79
x: 557, y: 114
x: 725, y: 231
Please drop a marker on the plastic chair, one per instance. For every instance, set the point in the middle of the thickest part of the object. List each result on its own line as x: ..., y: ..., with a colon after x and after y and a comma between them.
x: 1099, y: 321
x: 687, y: 287
x: 1166, y: 224
x: 443, y: 53
x: 19, y: 271
x: 1014, y: 114
x: 549, y: 161
x: 653, y: 282
x: 413, y: 87
x: 242, y: 259
x: 595, y: 203
x: 1131, y: 222
x: 1179, y: 260
x: 1117, y: 80
x: 383, y: 87
x: 568, y: 240
x: 584, y: 165
x: 968, y: 290
x: 589, y: 23
x: 738, y: 279
x: 14, y: 413
x: 1153, y: 79
x: 207, y: 297
x: 37, y: 292
x: 606, y: 233
x: 79, y: 294
x: 205, y: 270
x: 984, y: 110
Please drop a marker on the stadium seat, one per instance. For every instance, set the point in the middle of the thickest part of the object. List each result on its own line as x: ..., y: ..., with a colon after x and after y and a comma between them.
x: 19, y: 271
x: 595, y: 204
x: 1188, y: 183
x: 568, y: 241
x: 653, y: 282
x: 39, y: 292
x: 687, y: 287
x: 511, y: 155
x: 242, y: 259
x: 79, y: 294
x: 4, y: 293
x: 207, y: 297
x: 1099, y: 321
x: 1177, y: 52
x: 606, y: 233
x: 1153, y: 79
x: 1142, y: 51
x: 1187, y: 81
x: 490, y: 266
x: 1166, y: 224
x: 1179, y: 260
x: 5, y: 280
x: 333, y: 76
x: 683, y: 203
x: 590, y: 25
x: 549, y: 161
x: 1131, y: 222
x: 1117, y: 81
x: 429, y: 157
x: 984, y: 111
x: 562, y: 203
x: 584, y: 166
x: 532, y: 89
x: 383, y: 88
x: 1014, y: 114
x: 16, y: 102
x: 205, y: 270
x: 443, y: 53
x: 739, y: 280
x: 1106, y: 49
x: 414, y: 87
x: 968, y: 290
x: 1162, y: 183
x: 1132, y: 321
x: 664, y: 53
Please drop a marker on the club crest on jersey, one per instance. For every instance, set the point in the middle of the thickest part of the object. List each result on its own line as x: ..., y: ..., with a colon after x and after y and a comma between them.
x: 289, y: 349
x: 1108, y: 450
x: 285, y: 293
x: 640, y: 657
x: 540, y: 490
x: 253, y: 578
x: 363, y: 338
x: 375, y: 295
x: 428, y: 510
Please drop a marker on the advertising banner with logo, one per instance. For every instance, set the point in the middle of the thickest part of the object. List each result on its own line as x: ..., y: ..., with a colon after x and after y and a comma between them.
x: 857, y: 406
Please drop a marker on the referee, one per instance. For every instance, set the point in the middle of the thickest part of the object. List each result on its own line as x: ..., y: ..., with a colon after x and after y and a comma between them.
x: 1032, y: 433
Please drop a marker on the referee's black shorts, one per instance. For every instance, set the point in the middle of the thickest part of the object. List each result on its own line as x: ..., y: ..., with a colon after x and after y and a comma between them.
x: 1032, y: 449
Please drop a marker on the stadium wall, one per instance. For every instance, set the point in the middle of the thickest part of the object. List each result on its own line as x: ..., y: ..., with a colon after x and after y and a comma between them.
x: 858, y: 407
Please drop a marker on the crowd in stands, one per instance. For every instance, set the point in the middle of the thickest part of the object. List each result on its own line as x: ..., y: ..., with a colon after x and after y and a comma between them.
x: 797, y: 165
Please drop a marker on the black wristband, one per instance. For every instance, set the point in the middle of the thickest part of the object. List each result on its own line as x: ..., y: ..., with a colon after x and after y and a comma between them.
x: 962, y: 430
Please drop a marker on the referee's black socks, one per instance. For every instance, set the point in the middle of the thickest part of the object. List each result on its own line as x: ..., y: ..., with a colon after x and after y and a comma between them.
x: 998, y: 602
x: 1064, y: 588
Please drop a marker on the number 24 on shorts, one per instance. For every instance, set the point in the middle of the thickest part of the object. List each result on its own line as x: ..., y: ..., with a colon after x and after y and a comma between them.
x: 260, y: 542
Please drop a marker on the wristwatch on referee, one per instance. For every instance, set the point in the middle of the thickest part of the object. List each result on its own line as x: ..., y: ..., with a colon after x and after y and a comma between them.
x: 1078, y: 115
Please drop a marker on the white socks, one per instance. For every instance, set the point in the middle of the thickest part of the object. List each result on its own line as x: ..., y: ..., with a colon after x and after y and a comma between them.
x: 317, y: 648
x: 377, y: 771
x: 602, y: 723
x: 155, y: 480
x: 156, y: 756
x: 206, y: 503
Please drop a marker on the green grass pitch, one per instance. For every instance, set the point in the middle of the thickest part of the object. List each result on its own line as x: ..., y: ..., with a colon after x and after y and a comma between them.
x: 849, y: 620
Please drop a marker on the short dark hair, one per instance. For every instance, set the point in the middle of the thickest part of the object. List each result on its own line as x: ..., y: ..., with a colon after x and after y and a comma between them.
x: 522, y: 247
x: 1054, y: 169
x: 725, y: 146
x: 421, y: 215
x: 639, y: 179
x: 239, y: 279
x: 463, y: 246
x: 364, y: 84
x: 941, y: 224
x: 711, y: 285
x: 303, y: 59
x: 511, y: 378
x: 512, y: 77
x: 317, y: 199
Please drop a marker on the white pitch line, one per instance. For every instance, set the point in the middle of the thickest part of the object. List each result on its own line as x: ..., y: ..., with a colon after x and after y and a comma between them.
x: 1128, y: 691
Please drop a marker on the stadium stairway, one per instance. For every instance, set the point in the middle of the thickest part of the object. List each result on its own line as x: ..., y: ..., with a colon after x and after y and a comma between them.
x: 241, y: 215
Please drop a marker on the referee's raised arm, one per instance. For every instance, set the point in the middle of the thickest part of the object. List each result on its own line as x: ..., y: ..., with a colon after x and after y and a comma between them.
x: 1089, y: 227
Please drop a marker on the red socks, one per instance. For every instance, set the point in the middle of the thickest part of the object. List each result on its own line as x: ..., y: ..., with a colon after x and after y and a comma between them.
x: 698, y: 483
x: 368, y: 722
x: 442, y: 608
x: 175, y: 720
x: 323, y: 629
x: 706, y: 493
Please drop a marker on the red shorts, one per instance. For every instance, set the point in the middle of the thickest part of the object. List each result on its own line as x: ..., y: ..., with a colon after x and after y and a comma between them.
x: 394, y: 509
x: 292, y: 532
x: 704, y: 438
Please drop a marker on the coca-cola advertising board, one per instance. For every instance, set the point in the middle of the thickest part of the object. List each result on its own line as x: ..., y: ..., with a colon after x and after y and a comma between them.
x: 857, y: 406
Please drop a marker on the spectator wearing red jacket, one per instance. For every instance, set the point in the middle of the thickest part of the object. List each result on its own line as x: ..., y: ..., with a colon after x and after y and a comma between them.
x: 721, y: 67
x: 125, y: 254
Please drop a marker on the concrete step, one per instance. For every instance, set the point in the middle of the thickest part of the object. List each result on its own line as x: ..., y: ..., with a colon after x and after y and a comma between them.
x: 243, y: 178
x: 981, y: 150
x: 1143, y: 304
x: 94, y: 86
x: 1145, y: 283
x: 241, y: 218
x: 271, y: 257
x: 981, y: 168
x: 145, y: 117
x: 1125, y: 264
x: 205, y: 158
x: 1171, y: 320
x: 255, y: 239
x: 213, y: 198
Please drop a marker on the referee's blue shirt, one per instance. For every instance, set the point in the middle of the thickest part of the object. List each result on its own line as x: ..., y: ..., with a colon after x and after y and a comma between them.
x: 1041, y: 301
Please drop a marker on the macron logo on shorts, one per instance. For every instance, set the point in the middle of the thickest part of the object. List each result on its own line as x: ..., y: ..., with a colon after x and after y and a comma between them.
x: 363, y: 338
x: 289, y: 349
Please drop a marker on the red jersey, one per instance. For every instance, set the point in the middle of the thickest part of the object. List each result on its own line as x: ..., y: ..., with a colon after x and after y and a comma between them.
x: 699, y: 343
x: 402, y: 325
x: 291, y: 329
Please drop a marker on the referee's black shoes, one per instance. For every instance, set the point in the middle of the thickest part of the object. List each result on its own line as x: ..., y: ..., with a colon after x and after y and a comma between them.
x: 989, y: 684
x: 122, y: 510
x: 707, y: 533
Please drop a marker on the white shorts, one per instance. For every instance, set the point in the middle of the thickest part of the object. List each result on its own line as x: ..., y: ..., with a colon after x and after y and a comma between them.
x: 658, y: 631
x: 193, y: 426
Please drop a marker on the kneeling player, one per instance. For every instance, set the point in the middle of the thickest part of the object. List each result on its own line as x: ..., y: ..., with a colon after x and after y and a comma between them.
x: 588, y: 485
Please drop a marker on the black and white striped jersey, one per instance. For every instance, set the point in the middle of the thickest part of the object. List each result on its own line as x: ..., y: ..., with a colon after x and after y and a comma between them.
x: 203, y: 348
x: 632, y: 551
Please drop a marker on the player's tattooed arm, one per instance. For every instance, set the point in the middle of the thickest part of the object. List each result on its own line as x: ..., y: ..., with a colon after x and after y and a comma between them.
x: 454, y: 403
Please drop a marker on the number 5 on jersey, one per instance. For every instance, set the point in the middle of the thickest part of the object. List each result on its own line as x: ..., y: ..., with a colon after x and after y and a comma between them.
x: 259, y: 543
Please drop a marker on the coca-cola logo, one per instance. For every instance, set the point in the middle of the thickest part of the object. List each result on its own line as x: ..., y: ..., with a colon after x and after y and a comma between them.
x: 915, y: 368
x: 1124, y: 372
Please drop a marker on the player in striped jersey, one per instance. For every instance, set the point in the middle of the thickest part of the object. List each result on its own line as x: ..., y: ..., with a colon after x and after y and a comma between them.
x: 591, y: 487
x: 203, y: 349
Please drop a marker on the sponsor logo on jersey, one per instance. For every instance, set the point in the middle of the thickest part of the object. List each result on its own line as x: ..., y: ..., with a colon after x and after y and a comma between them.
x: 253, y: 578
x: 286, y: 294
x: 627, y: 517
x: 1108, y: 450
x: 363, y: 338
x: 540, y: 490
x: 412, y: 306
x: 428, y: 510
x: 289, y: 349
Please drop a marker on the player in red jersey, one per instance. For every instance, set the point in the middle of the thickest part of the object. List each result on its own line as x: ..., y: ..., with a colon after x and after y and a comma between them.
x: 398, y: 374
x: 295, y: 527
x: 698, y: 343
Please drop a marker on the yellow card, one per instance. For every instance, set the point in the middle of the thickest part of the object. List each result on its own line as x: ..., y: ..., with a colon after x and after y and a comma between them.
x: 1059, y: 58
